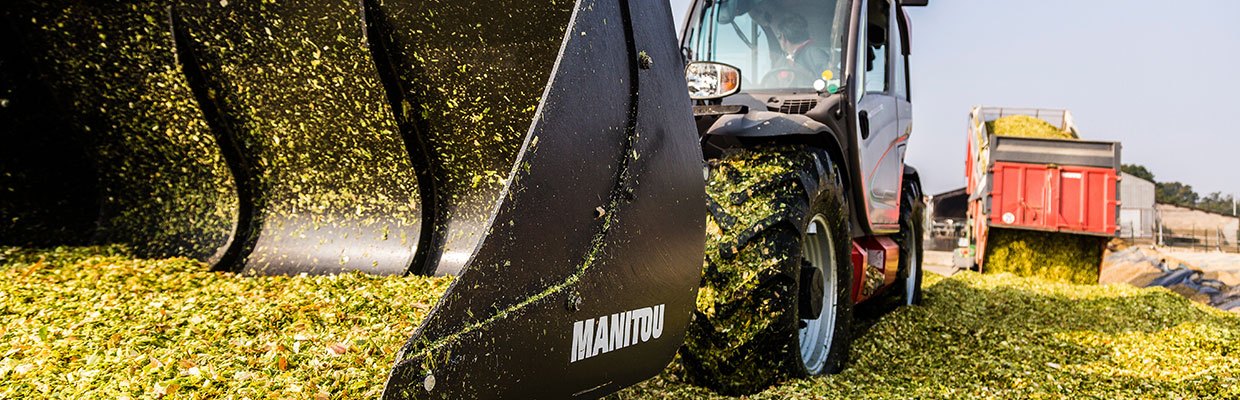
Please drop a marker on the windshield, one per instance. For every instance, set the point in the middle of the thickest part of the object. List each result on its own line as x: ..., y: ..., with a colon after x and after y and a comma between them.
x: 777, y: 44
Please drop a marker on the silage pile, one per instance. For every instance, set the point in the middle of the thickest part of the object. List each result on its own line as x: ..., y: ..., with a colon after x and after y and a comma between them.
x: 1002, y: 336
x: 1054, y: 256
x: 98, y: 323
x: 1026, y: 126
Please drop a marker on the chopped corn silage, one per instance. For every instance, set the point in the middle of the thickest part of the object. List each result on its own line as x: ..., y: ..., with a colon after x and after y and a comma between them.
x: 1054, y: 256
x: 984, y: 336
x: 94, y: 322
x: 1026, y: 126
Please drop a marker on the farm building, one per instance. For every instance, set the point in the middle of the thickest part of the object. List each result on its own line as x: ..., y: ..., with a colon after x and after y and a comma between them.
x: 1136, y: 210
x: 947, y: 212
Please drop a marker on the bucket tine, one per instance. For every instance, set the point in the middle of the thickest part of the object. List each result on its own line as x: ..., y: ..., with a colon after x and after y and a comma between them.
x: 464, y: 81
x: 330, y: 184
x: 254, y: 136
x: 110, y: 125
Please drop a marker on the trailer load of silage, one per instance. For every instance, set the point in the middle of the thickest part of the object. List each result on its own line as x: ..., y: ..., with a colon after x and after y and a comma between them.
x: 1052, y: 256
x: 1027, y: 126
x: 96, y: 322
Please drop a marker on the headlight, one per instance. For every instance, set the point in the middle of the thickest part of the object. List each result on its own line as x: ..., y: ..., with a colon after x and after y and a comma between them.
x: 712, y: 80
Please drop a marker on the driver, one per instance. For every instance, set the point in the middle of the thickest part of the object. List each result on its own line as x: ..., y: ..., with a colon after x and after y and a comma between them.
x: 804, y: 60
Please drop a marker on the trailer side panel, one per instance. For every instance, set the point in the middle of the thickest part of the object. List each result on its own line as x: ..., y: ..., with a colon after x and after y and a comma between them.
x: 1044, y: 197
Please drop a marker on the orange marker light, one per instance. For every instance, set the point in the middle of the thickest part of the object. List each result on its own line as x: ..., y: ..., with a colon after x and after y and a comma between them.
x: 729, y: 79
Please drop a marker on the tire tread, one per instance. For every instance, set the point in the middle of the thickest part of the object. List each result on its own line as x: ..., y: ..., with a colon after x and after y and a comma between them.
x: 744, y: 334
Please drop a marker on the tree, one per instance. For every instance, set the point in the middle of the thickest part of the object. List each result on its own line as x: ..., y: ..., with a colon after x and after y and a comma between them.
x: 1139, y: 171
x: 1175, y: 193
x: 1180, y: 194
x: 1216, y: 202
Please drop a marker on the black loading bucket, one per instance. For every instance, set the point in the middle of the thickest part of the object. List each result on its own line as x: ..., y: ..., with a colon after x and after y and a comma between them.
x: 542, y: 151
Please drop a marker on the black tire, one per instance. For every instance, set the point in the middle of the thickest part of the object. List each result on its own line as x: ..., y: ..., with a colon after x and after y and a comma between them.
x: 912, y: 220
x: 745, y: 333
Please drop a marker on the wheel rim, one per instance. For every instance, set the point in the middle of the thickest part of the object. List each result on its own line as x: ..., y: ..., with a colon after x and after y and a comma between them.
x: 818, y: 248
x: 910, y: 284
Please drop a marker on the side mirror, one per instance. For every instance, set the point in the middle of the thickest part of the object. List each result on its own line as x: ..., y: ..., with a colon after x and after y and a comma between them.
x: 712, y: 80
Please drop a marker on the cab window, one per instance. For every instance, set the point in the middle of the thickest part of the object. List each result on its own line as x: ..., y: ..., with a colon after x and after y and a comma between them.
x: 876, y: 47
x: 899, y: 81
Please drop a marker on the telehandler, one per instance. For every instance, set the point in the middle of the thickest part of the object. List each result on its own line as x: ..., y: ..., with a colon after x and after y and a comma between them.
x: 544, y: 152
x: 804, y: 113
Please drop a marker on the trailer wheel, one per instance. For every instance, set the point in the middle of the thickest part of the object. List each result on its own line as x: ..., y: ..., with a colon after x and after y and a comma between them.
x: 775, y: 298
x: 912, y: 217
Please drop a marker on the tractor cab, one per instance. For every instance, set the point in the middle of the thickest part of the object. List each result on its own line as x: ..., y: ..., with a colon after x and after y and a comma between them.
x: 781, y: 46
x: 826, y: 73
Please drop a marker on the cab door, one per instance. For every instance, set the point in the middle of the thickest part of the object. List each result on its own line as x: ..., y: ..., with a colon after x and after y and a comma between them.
x: 880, y: 131
x: 900, y: 84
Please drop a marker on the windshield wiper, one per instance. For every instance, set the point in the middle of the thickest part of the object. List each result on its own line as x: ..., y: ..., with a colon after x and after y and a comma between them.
x: 753, y: 45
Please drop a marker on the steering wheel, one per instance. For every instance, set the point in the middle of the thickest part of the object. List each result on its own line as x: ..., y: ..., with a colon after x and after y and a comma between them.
x: 773, y: 79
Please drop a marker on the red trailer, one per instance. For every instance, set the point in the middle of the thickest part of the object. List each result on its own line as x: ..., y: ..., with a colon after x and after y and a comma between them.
x: 1054, y: 185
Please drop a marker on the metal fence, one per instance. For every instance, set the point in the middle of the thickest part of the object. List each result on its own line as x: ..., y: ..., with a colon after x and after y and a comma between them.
x: 1202, y: 239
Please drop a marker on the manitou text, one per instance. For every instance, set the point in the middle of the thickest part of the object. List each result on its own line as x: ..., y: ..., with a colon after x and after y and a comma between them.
x: 596, y: 336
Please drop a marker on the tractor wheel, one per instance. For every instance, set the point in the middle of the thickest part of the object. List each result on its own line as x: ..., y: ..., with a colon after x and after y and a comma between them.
x: 912, y: 215
x: 775, y: 298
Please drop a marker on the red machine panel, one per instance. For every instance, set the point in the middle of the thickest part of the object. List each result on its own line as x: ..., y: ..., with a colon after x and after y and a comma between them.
x: 1072, y: 199
x: 876, y: 262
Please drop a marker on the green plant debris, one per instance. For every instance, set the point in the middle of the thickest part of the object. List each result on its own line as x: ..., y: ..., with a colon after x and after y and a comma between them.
x: 1027, y: 126
x: 1055, y: 256
x: 97, y: 323
x: 1002, y: 336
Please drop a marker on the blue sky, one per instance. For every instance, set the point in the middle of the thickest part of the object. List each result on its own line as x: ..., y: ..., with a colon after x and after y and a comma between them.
x: 1163, y: 77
